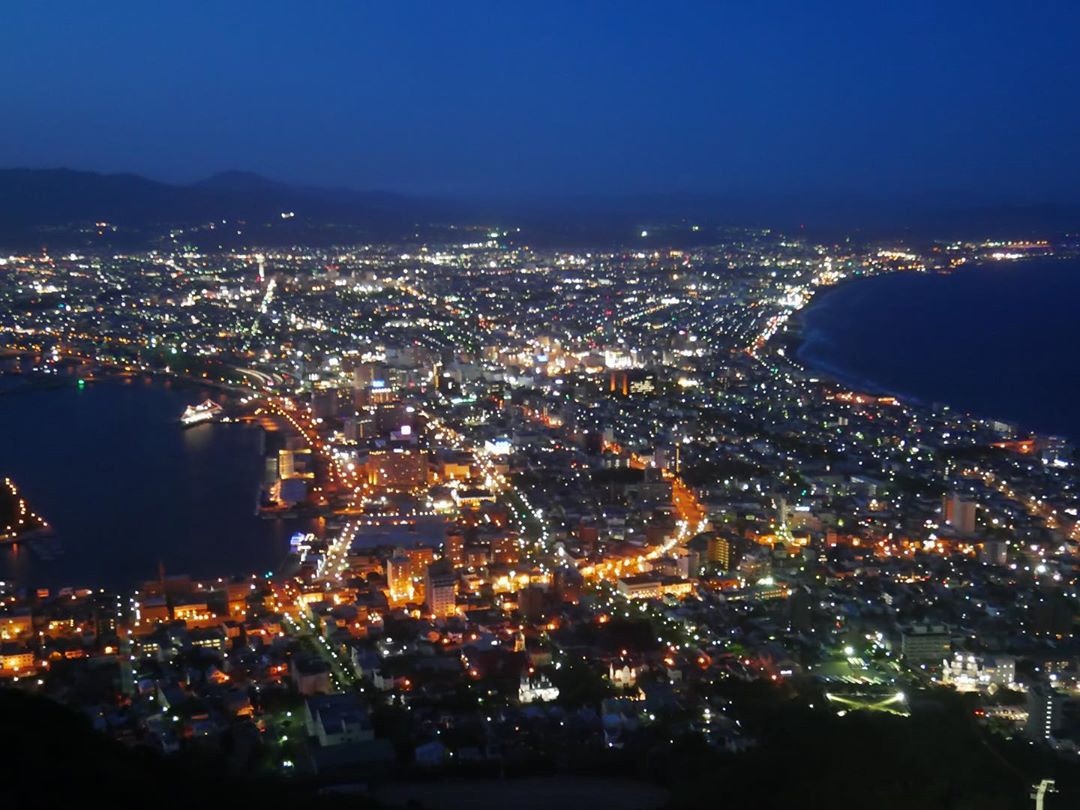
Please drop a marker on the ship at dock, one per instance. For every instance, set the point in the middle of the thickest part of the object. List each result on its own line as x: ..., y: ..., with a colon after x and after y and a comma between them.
x: 206, y: 411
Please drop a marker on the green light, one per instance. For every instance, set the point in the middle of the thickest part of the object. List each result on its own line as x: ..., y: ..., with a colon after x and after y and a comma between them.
x: 82, y: 383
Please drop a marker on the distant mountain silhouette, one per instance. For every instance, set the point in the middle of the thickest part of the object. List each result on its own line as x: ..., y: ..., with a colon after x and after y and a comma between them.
x: 32, y: 199
x: 239, y: 181
x: 56, y: 206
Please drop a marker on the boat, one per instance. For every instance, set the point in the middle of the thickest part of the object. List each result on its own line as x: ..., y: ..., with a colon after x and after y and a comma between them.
x: 206, y: 411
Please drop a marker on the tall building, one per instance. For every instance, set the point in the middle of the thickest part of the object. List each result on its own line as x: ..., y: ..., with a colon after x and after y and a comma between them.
x: 959, y: 513
x: 721, y: 550
x: 440, y: 588
x: 504, y: 549
x: 1045, y: 707
x: 454, y: 548
x: 399, y: 576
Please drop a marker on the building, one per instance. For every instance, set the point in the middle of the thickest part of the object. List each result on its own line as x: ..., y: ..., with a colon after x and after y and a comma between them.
x: 650, y: 586
x: 537, y: 689
x: 311, y: 676
x: 504, y: 549
x: 398, y: 468
x: 473, y: 497
x: 454, y: 548
x: 967, y: 672
x: 454, y: 466
x: 925, y: 644
x: 399, y: 576
x: 959, y: 513
x: 193, y: 610
x: 337, y: 719
x: 16, y: 658
x: 1045, y: 706
x: 16, y: 624
x: 715, y: 549
x: 721, y: 551
x: 295, y: 464
x: 420, y: 557
x: 440, y: 588
x: 642, y: 586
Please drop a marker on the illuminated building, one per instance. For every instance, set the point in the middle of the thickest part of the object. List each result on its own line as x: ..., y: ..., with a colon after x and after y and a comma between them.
x: 966, y: 671
x: 194, y: 612
x: 454, y: 548
x: 650, y: 586
x: 399, y: 576
x: 675, y: 586
x: 635, y: 383
x: 536, y: 689
x: 504, y: 549
x: 925, y: 644
x: 497, y: 447
x: 152, y: 610
x: 16, y: 624
x: 473, y: 497
x: 477, y: 556
x: 295, y: 464
x: 720, y: 550
x: 420, y: 557
x: 399, y: 468
x: 642, y: 586
x: 16, y: 658
x: 440, y: 588
x: 454, y: 466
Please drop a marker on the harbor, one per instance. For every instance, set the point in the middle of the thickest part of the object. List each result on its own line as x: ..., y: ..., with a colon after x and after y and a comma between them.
x: 118, y: 478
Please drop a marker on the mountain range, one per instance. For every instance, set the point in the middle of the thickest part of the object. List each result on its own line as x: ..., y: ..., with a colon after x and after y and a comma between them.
x: 52, y: 205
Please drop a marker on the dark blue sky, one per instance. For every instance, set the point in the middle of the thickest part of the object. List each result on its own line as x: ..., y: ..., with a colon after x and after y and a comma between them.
x: 545, y: 98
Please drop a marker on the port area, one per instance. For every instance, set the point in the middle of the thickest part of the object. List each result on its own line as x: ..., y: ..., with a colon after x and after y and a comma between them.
x: 18, y: 522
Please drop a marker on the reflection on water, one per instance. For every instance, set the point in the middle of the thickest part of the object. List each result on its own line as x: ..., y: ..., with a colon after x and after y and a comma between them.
x: 125, y: 487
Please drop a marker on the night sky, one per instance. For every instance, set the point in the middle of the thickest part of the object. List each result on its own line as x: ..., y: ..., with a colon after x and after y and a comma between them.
x: 523, y: 99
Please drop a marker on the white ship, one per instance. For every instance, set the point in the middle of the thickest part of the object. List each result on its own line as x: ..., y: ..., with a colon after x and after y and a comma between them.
x: 207, y: 411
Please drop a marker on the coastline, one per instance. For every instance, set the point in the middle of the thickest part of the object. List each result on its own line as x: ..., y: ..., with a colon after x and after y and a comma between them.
x: 102, y: 371
x: 259, y: 543
x: 795, y: 342
x: 800, y: 355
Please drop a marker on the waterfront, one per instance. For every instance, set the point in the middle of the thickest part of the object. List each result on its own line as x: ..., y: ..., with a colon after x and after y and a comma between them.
x: 998, y: 340
x: 124, y: 487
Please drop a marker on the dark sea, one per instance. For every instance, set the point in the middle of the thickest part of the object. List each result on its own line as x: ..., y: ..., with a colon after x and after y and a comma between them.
x: 998, y: 340
x: 124, y: 487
